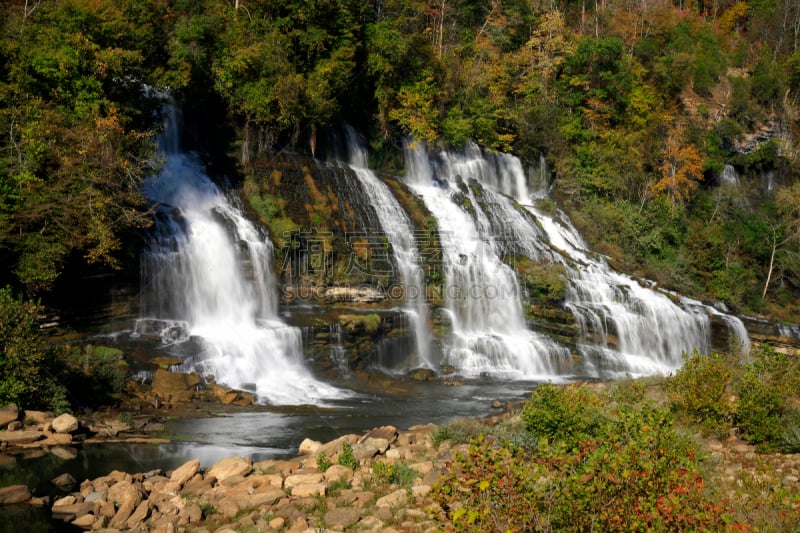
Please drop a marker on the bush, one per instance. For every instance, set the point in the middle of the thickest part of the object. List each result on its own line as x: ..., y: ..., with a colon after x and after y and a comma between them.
x: 566, y: 414
x: 767, y: 384
x: 700, y: 391
x: 346, y: 457
x: 630, y: 471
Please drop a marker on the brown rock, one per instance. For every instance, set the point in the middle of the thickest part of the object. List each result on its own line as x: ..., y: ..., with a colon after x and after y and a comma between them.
x: 393, y: 499
x: 168, y: 383
x: 124, y: 491
x: 299, y: 479
x: 309, y: 489
x: 198, y: 485
x: 384, y: 432
x: 338, y: 473
x: 232, y: 466
x: 37, y: 417
x: 64, y: 482
x: 14, y: 438
x: 8, y: 413
x: 14, y: 494
x: 185, y: 472
x: 309, y: 447
x: 342, y: 517
x: 65, y: 423
x: 84, y: 521
x: 124, y: 512
x: 64, y: 452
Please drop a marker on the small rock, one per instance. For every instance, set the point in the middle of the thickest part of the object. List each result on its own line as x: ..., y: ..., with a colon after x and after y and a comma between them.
x: 64, y: 482
x: 389, y: 433
x: 277, y: 523
x: 420, y: 491
x: 338, y: 473
x: 85, y: 521
x: 65, y: 423
x: 300, y: 479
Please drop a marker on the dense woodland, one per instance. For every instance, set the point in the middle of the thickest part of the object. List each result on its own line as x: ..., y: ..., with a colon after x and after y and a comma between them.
x: 636, y: 105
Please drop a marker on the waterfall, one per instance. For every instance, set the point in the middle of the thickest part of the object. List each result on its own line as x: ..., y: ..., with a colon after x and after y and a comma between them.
x: 399, y: 231
x: 481, y: 293
x: 208, y: 270
x: 729, y: 177
x: 625, y: 328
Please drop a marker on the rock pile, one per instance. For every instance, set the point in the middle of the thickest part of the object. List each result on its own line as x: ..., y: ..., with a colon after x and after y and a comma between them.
x: 310, y: 492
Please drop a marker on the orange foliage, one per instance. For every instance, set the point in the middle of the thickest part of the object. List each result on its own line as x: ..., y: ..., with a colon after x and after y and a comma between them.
x: 681, y: 168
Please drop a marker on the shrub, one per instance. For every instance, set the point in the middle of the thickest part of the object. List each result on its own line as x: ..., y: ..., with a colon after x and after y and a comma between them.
x: 398, y: 474
x: 562, y: 413
x: 700, y: 391
x: 630, y: 471
x: 765, y: 389
x: 346, y: 457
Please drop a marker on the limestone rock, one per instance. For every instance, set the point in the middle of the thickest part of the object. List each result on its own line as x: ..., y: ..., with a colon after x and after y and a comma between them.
x: 397, y: 497
x: 14, y: 494
x: 343, y: 517
x: 305, y: 490
x: 389, y: 433
x: 65, y: 423
x: 168, y: 383
x: 369, y: 448
x: 8, y: 413
x: 64, y: 482
x: 185, y: 472
x: 232, y: 466
x: 309, y: 447
x: 299, y: 479
x: 338, y: 473
x: 20, y: 437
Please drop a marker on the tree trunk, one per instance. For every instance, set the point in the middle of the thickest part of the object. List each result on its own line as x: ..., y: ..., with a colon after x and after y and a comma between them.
x: 771, y: 263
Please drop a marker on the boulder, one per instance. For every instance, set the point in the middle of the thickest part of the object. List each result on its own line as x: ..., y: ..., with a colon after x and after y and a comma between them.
x: 232, y: 466
x: 8, y: 413
x: 393, y: 499
x: 341, y: 518
x: 389, y: 433
x: 14, y: 494
x: 185, y: 472
x: 309, y: 447
x: 65, y: 423
x: 305, y: 490
x: 166, y: 383
x: 64, y: 482
x: 20, y: 437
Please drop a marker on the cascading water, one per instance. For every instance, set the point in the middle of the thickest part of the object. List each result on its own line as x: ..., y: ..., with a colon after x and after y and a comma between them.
x: 208, y: 269
x: 481, y: 293
x: 399, y: 231
x: 648, y: 332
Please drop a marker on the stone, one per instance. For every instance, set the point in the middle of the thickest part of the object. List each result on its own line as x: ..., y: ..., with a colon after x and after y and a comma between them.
x: 420, y: 491
x: 309, y: 447
x: 232, y: 466
x: 14, y: 438
x: 299, y: 479
x: 185, y: 472
x: 66, y: 453
x: 342, y: 517
x: 370, y: 523
x: 369, y: 448
x: 124, y: 512
x: 64, y: 482
x: 277, y: 523
x: 168, y: 383
x: 58, y: 439
x: 139, y: 515
x: 37, y: 417
x: 389, y: 433
x: 124, y: 491
x: 338, y: 473
x: 309, y: 489
x: 398, y: 497
x: 14, y: 494
x: 8, y: 413
x: 65, y: 423
x: 84, y: 521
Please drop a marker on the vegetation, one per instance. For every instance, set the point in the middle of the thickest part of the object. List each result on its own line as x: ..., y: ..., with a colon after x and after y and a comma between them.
x: 614, y: 459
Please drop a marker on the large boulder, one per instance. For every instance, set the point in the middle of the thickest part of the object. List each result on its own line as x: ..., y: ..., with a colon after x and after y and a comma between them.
x: 166, y: 383
x: 232, y: 466
x: 65, y: 423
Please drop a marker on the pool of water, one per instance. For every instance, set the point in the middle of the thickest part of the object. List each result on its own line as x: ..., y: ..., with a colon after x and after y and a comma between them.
x: 258, y: 435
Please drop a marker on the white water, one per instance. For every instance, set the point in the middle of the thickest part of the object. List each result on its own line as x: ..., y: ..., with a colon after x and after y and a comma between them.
x: 481, y: 294
x: 208, y: 268
x: 399, y: 231
x: 626, y: 329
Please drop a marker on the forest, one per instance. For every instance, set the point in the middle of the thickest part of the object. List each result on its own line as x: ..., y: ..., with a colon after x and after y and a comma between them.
x: 640, y: 109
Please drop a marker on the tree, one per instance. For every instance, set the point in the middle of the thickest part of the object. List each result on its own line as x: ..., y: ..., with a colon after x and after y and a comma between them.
x: 681, y: 169
x: 785, y: 233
